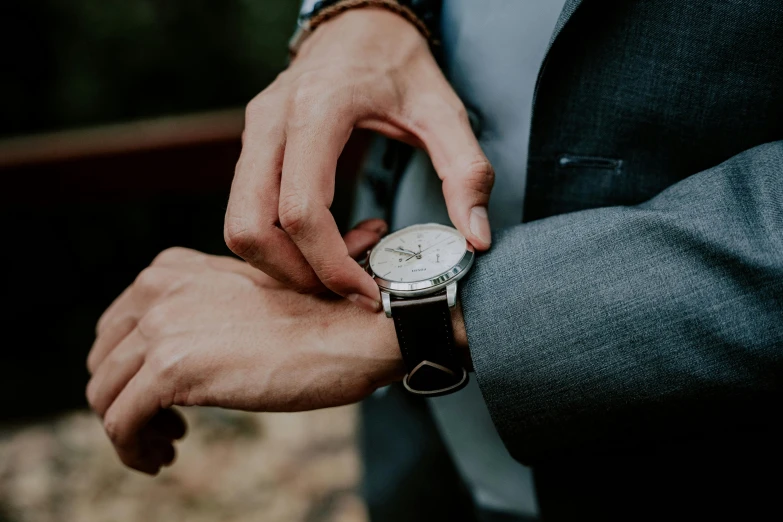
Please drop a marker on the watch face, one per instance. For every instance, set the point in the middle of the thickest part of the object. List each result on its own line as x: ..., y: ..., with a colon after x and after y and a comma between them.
x: 417, y: 254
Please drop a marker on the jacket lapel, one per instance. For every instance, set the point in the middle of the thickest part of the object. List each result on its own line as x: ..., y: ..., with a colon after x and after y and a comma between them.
x: 568, y: 10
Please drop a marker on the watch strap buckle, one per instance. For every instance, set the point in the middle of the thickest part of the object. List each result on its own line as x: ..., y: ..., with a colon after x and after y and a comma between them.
x: 437, y: 374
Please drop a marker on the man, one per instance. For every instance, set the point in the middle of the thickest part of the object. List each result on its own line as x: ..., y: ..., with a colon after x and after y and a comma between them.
x: 627, y: 339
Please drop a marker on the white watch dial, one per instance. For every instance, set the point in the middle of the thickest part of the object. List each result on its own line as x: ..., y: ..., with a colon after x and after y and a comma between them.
x: 417, y: 253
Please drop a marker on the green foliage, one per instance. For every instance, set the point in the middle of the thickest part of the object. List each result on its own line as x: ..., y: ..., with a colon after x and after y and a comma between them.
x: 71, y: 63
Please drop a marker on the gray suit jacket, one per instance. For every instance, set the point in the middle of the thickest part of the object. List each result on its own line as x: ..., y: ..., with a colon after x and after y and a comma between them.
x: 639, y: 310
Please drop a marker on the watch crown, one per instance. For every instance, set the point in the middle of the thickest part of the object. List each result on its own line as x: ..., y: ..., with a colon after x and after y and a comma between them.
x: 365, y: 261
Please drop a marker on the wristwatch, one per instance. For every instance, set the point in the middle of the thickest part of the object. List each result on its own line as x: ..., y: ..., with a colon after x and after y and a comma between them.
x: 417, y: 269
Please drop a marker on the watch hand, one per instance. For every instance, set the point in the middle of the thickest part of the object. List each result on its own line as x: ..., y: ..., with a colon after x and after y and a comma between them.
x: 400, y: 250
x: 421, y: 251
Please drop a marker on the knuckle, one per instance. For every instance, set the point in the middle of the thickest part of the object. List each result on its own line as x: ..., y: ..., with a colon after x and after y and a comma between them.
x: 152, y: 281
x: 478, y: 176
x: 241, y: 239
x: 263, y: 119
x: 309, y: 86
x: 100, y: 326
x: 92, y: 364
x: 311, y: 98
x: 156, y: 322
x: 91, y: 394
x: 265, y: 122
x: 258, y: 107
x: 173, y: 255
x: 113, y: 431
x: 165, y: 364
x: 294, y: 213
x: 251, y: 110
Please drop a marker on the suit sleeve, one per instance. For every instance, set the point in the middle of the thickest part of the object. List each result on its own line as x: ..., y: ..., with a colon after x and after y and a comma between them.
x: 620, y: 324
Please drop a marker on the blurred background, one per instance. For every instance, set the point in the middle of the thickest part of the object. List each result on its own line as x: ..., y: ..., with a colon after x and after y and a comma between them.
x: 120, y: 125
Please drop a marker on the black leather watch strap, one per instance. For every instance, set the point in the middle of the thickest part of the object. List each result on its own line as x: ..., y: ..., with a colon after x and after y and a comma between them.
x: 427, y: 344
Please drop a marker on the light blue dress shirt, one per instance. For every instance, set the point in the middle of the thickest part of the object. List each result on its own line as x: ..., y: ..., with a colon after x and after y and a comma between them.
x: 493, y: 52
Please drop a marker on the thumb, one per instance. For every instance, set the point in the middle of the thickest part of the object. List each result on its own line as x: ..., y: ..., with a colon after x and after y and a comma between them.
x: 465, y: 171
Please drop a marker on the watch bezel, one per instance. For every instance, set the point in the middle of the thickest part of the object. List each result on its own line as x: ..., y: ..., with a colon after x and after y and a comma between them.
x: 426, y: 286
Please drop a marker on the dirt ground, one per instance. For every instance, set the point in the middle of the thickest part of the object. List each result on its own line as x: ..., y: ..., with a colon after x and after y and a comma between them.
x: 232, y: 467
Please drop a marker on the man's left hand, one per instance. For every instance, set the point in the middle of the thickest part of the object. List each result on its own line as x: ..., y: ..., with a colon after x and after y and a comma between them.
x: 195, y: 329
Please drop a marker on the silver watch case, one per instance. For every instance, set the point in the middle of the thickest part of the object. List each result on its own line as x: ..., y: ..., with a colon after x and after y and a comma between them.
x: 445, y: 281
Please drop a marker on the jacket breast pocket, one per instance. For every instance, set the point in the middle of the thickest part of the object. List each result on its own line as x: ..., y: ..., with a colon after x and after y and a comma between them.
x: 572, y: 182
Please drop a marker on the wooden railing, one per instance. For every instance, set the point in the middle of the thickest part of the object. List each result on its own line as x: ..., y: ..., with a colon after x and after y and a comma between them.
x: 192, y: 153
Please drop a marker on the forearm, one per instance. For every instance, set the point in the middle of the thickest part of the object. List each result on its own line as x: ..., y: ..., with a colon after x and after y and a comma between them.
x: 635, y: 320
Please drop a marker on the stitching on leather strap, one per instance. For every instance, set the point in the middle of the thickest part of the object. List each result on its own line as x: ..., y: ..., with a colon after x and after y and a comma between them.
x: 402, y: 339
x: 449, y: 334
x: 404, y: 313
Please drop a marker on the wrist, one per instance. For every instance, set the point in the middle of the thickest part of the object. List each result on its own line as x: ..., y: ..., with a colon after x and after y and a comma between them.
x: 329, y: 10
x: 388, y: 347
x: 360, y: 31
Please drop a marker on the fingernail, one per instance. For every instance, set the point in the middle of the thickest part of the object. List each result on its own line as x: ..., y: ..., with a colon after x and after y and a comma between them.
x: 365, y: 302
x: 382, y: 229
x: 479, y: 224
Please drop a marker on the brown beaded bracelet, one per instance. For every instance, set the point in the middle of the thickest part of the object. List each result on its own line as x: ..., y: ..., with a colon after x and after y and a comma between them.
x: 307, y: 27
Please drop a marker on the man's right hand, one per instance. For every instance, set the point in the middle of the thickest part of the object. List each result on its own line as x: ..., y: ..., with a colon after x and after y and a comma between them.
x: 366, y: 68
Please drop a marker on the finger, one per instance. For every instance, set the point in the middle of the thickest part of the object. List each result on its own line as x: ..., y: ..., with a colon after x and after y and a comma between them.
x: 157, y: 438
x: 168, y: 424
x: 111, y: 311
x: 168, y: 454
x: 108, y: 340
x: 157, y: 453
x: 133, y: 408
x: 251, y: 226
x: 364, y: 236
x: 151, y: 284
x: 306, y: 192
x: 115, y: 371
x: 466, y: 173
